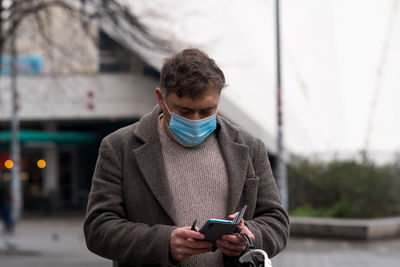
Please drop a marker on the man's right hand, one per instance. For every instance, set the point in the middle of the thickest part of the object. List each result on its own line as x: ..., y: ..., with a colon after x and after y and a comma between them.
x: 184, y: 243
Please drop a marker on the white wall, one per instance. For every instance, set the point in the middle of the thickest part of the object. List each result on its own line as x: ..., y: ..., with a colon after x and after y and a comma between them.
x: 67, y: 96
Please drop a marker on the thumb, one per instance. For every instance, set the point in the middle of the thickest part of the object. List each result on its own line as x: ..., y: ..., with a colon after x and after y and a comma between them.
x: 232, y: 216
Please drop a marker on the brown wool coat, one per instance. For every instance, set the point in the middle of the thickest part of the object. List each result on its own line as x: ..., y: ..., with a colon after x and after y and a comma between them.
x: 130, y: 213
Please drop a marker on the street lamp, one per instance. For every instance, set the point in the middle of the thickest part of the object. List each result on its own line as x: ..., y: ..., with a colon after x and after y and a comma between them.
x: 16, y: 201
x: 280, y: 163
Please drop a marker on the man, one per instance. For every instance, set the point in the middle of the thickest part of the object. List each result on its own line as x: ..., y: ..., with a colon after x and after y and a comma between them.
x: 5, y: 204
x: 179, y: 163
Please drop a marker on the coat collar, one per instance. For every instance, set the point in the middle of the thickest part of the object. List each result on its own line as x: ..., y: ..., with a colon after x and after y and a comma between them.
x: 151, y: 163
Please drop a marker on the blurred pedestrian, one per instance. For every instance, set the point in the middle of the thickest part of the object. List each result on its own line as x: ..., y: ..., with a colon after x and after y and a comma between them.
x: 182, y: 162
x: 5, y: 203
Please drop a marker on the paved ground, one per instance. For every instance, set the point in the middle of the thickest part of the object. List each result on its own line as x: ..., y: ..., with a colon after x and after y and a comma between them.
x: 59, y: 242
x: 307, y: 252
x: 48, y: 242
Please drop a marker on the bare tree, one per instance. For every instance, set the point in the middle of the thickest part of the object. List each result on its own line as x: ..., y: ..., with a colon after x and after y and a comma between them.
x: 13, y: 13
x: 39, y: 15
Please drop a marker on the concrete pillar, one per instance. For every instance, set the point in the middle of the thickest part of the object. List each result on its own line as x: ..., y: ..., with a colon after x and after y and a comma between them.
x: 51, y: 172
x: 75, y: 176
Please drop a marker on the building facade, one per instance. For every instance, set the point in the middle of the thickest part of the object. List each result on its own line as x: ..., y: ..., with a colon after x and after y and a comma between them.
x: 72, y: 91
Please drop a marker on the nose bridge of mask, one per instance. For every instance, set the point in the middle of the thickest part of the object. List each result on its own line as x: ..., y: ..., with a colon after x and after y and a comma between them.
x: 192, y: 123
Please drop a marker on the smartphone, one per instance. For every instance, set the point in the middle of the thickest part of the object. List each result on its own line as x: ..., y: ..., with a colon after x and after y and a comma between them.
x: 215, y: 228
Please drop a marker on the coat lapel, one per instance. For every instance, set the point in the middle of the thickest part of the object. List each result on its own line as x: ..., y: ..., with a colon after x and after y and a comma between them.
x: 151, y: 163
x: 236, y: 157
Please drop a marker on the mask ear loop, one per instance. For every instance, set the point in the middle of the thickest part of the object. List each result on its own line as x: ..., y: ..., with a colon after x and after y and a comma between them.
x: 165, y: 100
x: 167, y: 108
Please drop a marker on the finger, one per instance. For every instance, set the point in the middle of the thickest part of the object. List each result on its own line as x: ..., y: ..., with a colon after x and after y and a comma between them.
x: 252, y: 237
x: 232, y: 242
x: 229, y: 252
x: 242, y: 238
x: 229, y: 248
x: 187, y: 233
x: 181, y: 252
x: 246, y: 231
x: 234, y: 239
x: 232, y: 216
x: 239, y: 227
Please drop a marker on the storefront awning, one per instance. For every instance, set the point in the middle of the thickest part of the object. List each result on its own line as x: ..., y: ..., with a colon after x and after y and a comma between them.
x: 57, y: 137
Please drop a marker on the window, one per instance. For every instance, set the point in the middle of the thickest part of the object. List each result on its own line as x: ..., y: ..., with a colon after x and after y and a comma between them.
x: 113, y: 56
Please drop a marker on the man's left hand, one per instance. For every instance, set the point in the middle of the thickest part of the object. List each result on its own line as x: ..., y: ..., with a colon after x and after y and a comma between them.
x: 233, y: 245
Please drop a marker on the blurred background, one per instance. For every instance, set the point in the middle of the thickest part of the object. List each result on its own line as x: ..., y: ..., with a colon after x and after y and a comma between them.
x: 73, y: 71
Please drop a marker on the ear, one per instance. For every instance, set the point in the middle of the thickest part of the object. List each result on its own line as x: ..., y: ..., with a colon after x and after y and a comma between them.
x: 160, y: 97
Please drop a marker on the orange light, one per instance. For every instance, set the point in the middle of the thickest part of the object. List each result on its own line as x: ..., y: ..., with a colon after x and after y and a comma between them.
x: 41, y: 163
x: 9, y: 164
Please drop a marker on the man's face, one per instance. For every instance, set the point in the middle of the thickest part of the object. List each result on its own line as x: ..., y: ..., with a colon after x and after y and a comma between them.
x: 193, y: 109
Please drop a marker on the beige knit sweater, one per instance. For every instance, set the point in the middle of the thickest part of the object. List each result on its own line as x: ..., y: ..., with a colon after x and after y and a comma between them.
x: 198, y: 180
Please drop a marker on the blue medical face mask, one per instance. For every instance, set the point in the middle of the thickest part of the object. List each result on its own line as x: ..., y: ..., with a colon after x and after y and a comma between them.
x: 191, y: 132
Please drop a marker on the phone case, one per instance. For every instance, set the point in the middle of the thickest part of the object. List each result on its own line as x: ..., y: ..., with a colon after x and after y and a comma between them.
x: 215, y: 228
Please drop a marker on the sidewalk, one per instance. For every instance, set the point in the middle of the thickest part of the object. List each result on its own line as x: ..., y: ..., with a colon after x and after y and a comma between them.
x: 308, y: 252
x: 45, y: 242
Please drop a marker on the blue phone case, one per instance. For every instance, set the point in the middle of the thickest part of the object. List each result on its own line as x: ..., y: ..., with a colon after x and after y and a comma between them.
x: 215, y: 228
